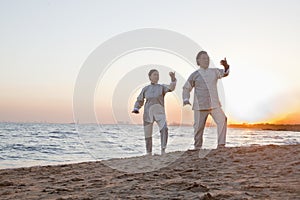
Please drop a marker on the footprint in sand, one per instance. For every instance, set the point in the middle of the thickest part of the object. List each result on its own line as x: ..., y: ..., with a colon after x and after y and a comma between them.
x: 203, y: 153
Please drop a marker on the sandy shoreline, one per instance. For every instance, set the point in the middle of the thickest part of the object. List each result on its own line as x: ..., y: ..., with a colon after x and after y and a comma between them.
x: 256, y: 172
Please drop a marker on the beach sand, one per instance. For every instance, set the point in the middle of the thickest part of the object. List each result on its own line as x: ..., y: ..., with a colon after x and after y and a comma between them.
x: 255, y: 172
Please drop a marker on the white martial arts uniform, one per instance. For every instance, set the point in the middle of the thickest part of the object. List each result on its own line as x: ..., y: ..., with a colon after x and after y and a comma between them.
x: 154, y: 111
x: 206, y: 101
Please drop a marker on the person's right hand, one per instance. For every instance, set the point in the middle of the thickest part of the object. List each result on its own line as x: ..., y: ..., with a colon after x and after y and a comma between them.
x: 186, y: 103
x: 135, y: 112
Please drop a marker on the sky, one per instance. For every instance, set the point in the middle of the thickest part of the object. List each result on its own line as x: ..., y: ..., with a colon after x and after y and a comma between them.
x: 44, y: 45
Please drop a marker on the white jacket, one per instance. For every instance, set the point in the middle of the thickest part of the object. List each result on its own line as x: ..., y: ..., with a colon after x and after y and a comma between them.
x: 154, y: 95
x: 204, y: 82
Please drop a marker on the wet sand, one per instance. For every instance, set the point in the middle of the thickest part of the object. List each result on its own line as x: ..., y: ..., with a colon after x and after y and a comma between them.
x: 256, y: 172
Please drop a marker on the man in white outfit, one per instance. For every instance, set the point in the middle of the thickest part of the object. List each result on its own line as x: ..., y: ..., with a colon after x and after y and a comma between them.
x: 206, y: 99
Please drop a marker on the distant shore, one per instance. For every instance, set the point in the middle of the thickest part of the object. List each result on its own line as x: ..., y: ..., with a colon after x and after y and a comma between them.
x: 261, y: 126
x: 255, y: 172
x: 266, y: 126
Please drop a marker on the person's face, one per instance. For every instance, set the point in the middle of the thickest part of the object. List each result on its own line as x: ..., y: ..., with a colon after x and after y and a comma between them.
x: 154, y: 77
x: 203, y: 61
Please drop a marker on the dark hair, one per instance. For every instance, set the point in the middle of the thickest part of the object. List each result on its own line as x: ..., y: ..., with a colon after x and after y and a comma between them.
x: 151, y: 71
x: 199, y: 54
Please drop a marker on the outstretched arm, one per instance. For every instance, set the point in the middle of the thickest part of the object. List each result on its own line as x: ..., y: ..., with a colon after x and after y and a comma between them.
x: 139, y: 102
x: 172, y: 85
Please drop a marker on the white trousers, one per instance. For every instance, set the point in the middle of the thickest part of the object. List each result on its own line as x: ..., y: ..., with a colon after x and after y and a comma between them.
x: 200, y: 117
x: 163, y: 129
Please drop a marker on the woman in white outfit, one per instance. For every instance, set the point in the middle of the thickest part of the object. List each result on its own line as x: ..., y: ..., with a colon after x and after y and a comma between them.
x: 154, y: 109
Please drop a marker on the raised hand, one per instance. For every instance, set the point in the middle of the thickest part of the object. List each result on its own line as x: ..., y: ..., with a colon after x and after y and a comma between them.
x: 172, y: 75
x: 224, y: 63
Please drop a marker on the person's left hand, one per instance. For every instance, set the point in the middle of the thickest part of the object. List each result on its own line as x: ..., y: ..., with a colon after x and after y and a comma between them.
x: 172, y: 75
x: 224, y: 63
x: 186, y: 102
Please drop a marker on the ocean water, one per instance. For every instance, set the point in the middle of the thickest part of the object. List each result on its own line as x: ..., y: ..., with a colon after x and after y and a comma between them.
x: 30, y: 144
